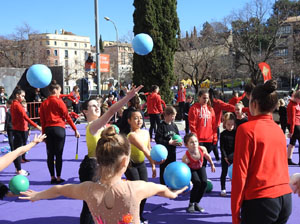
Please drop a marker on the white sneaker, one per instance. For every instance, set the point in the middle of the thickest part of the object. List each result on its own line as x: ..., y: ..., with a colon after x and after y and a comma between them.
x: 23, y: 172
x: 218, y: 161
x: 223, y: 193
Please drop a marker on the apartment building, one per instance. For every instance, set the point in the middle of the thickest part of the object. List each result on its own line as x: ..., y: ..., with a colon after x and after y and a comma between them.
x: 121, y: 57
x: 65, y: 49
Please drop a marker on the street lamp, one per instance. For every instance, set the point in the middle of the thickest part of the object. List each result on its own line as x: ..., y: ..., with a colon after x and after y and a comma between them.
x: 117, y: 40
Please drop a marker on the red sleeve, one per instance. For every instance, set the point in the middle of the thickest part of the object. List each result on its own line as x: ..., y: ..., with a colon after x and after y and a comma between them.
x: 66, y: 115
x: 42, y: 117
x: 214, y: 126
x: 293, y: 119
x: 226, y: 106
x: 193, y: 119
x: 159, y: 102
x: 163, y: 102
x: 25, y: 116
x: 63, y: 95
x: 243, y: 146
x: 241, y: 97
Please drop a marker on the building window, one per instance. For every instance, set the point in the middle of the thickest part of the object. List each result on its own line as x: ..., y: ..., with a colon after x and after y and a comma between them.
x: 75, y: 44
x: 284, y: 30
x: 66, y: 53
x: 123, y: 58
x: 48, y: 52
x: 282, y: 52
x: 66, y: 63
x: 56, y: 62
x: 76, y: 62
x: 41, y: 43
x: 85, y: 45
x: 75, y: 52
x: 55, y: 53
x: 48, y: 42
x: 55, y: 43
x: 66, y: 44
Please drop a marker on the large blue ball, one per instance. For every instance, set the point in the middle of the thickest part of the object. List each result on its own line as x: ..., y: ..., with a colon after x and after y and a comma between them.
x: 177, y: 175
x: 39, y: 76
x: 159, y: 152
x: 142, y: 44
x: 230, y: 171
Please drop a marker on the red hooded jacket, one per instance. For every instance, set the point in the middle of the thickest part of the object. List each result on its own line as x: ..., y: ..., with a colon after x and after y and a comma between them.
x: 202, y: 122
x: 154, y: 102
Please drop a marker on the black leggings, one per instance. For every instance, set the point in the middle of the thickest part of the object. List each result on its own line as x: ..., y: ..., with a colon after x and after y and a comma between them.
x: 137, y: 171
x: 199, y: 180
x: 154, y: 122
x: 10, y: 136
x: 19, y: 140
x: 86, y: 172
x: 267, y: 210
x: 171, y: 158
x: 224, y: 173
x: 55, y: 142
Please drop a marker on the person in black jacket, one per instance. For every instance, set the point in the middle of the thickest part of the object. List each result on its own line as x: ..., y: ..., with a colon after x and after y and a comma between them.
x: 282, y: 115
x: 8, y: 125
x: 227, y: 140
x: 133, y: 104
x: 186, y: 108
x: 165, y: 131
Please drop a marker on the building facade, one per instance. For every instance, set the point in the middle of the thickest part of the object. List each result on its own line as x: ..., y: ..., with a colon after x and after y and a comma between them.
x: 65, y: 49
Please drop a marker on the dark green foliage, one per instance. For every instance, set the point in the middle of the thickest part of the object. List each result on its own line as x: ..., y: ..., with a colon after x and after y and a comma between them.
x: 159, y: 19
x: 101, y: 45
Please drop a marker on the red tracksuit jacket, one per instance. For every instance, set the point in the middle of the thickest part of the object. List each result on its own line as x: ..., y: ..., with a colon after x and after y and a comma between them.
x: 293, y: 115
x: 260, y: 168
x: 53, y: 112
x: 219, y: 106
x: 202, y: 122
x: 19, y: 118
x: 154, y: 102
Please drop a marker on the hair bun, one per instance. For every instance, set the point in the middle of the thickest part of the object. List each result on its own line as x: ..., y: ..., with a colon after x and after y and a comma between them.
x: 270, y: 86
x: 108, y: 133
x: 53, y: 82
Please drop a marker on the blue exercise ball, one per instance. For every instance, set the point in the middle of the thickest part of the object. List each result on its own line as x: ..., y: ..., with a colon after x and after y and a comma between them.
x: 177, y: 175
x: 230, y: 171
x: 39, y: 76
x: 159, y: 152
x: 142, y: 44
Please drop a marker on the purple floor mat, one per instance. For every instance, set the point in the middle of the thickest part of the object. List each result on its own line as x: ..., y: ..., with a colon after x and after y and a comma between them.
x: 64, y: 211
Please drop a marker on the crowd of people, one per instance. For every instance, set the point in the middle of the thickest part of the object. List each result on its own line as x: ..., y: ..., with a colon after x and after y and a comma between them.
x: 251, y: 142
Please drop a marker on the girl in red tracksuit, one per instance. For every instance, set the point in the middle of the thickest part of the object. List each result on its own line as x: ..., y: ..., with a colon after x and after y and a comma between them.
x: 219, y: 106
x: 154, y: 109
x: 202, y: 121
x: 293, y: 120
x: 260, y: 178
x: 20, y: 120
x: 53, y: 113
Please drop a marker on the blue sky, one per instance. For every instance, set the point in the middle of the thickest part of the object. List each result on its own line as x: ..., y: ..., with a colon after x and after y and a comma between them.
x: 77, y: 16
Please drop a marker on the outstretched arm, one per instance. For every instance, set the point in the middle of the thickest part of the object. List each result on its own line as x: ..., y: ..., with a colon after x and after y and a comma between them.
x: 105, y: 118
x: 75, y: 191
x: 148, y: 189
x: 11, y: 156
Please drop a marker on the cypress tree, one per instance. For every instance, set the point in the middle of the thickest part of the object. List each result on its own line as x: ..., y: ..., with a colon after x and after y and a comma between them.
x: 101, y: 45
x: 157, y: 18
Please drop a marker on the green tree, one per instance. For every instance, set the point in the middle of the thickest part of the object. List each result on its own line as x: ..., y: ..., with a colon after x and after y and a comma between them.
x: 157, y: 18
x: 101, y: 44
